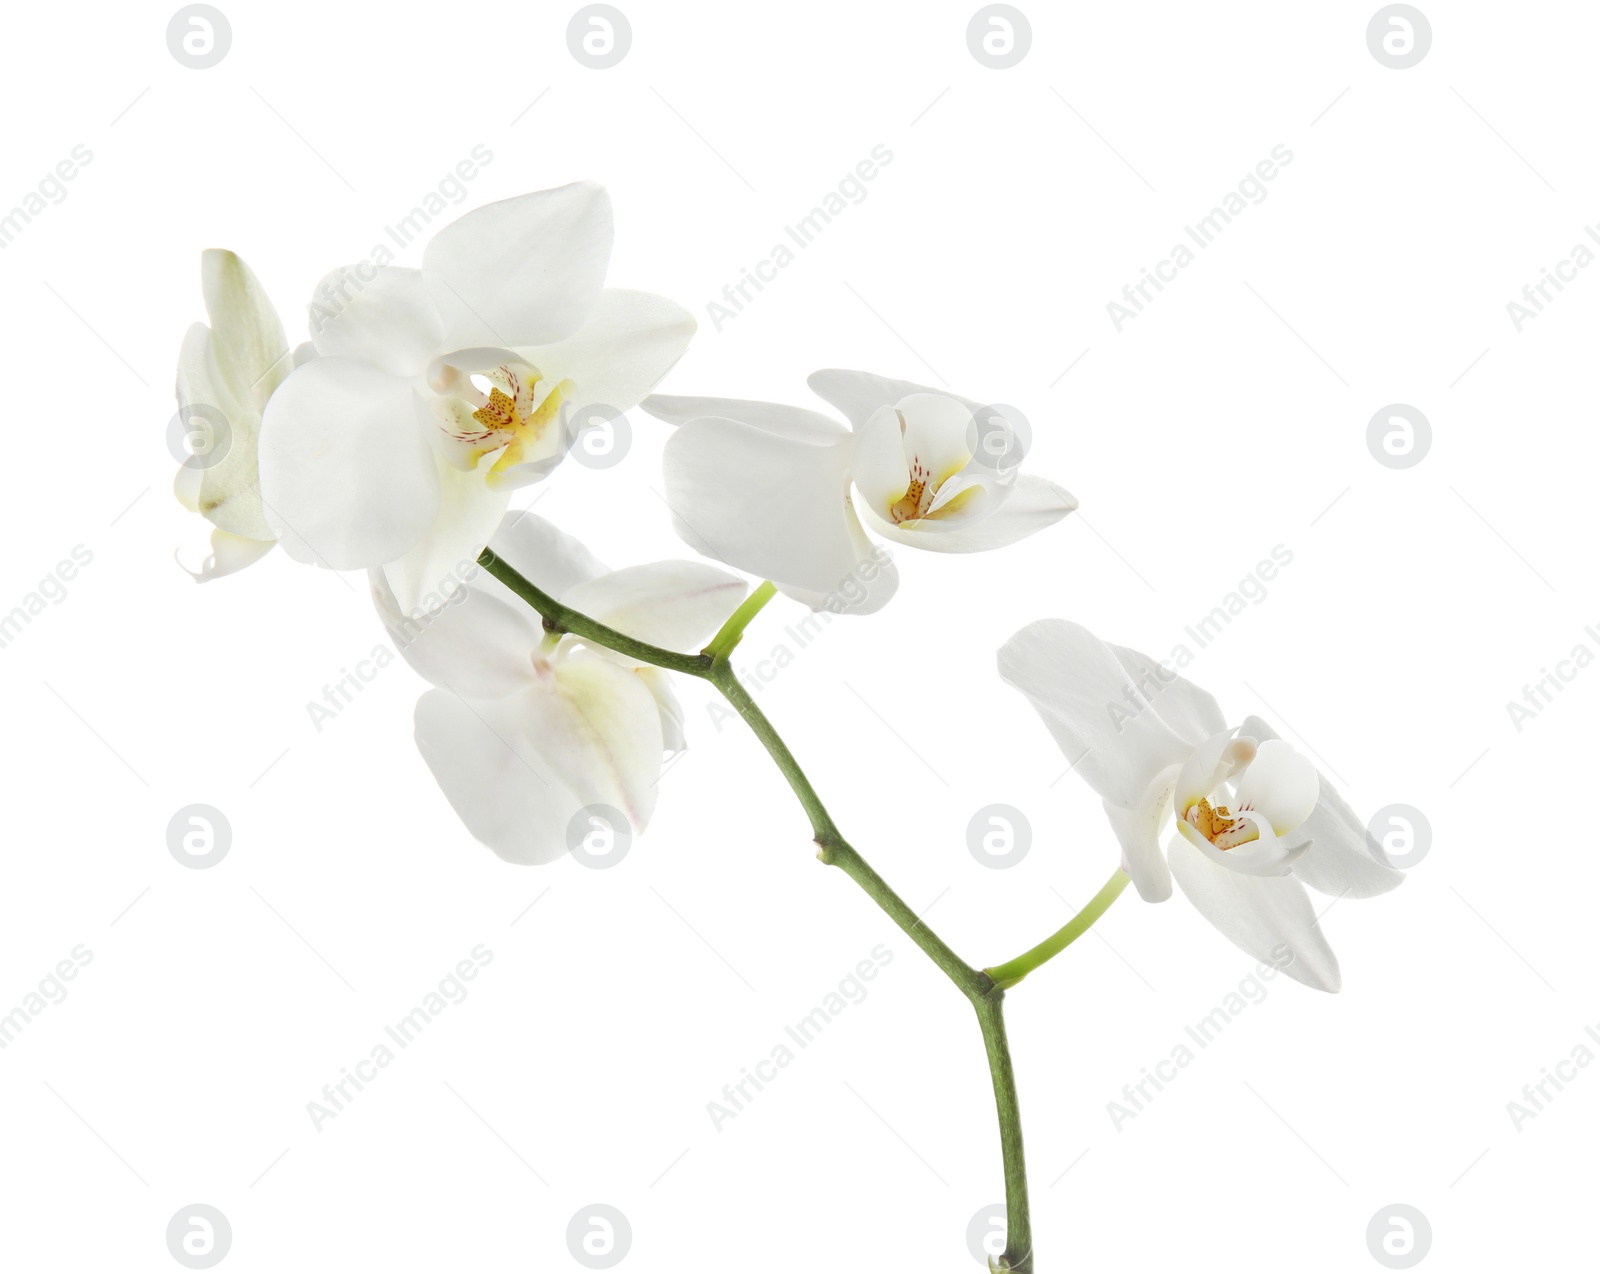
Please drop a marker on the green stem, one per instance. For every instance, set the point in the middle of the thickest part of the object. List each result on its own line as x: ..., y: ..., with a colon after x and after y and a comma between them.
x: 563, y: 619
x: 969, y: 981
x: 727, y: 681
x: 978, y: 986
x: 1013, y: 971
x: 721, y: 646
x: 1019, y: 1227
x: 833, y: 849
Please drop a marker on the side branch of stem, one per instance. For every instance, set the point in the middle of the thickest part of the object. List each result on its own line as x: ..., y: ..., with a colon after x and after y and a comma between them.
x: 563, y: 619
x: 1013, y: 971
x: 728, y: 636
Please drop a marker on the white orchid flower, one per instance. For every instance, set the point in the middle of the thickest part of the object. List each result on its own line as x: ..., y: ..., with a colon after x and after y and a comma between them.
x: 1254, y: 821
x: 768, y: 488
x: 529, y: 728
x: 437, y: 391
x: 226, y: 374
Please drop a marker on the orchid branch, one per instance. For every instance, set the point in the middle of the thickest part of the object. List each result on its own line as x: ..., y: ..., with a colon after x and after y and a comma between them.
x: 721, y: 646
x: 984, y: 993
x: 834, y: 850
x: 563, y: 619
x: 1013, y: 971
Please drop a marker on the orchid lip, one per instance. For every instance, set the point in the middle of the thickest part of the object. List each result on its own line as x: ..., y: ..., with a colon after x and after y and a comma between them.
x: 931, y: 490
x: 508, y: 407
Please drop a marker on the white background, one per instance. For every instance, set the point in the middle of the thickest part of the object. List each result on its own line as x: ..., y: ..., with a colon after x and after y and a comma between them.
x: 1229, y: 418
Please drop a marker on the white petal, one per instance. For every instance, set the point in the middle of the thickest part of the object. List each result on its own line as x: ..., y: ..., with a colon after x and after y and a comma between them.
x: 543, y: 554
x: 938, y: 429
x: 1191, y: 712
x: 443, y: 367
x: 659, y: 683
x: 1033, y: 504
x: 1280, y: 785
x: 1269, y: 917
x: 774, y: 418
x: 882, y: 465
x: 523, y: 271
x: 773, y: 506
x: 347, y: 478
x: 248, y: 343
x: 598, y: 727
x: 629, y: 342
x: 494, y: 778
x: 428, y: 573
x: 389, y: 321
x: 678, y: 605
x: 186, y: 486
x: 858, y: 394
x: 866, y: 590
x: 220, y: 481
x: 200, y: 382
x: 476, y: 645
x: 538, y: 459
x: 229, y: 553
x: 1339, y: 863
x: 1117, y: 745
x: 1139, y: 833
x: 968, y: 496
x: 1212, y: 762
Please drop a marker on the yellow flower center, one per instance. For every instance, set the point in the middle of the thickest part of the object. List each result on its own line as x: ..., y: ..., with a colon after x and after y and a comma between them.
x: 503, y: 414
x: 924, y: 486
x: 508, y: 420
x: 500, y: 412
x: 1219, y: 826
x: 914, y: 503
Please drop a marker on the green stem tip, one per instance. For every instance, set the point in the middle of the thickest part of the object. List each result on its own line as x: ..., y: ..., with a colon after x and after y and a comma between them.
x: 1013, y: 971
x: 721, y: 646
